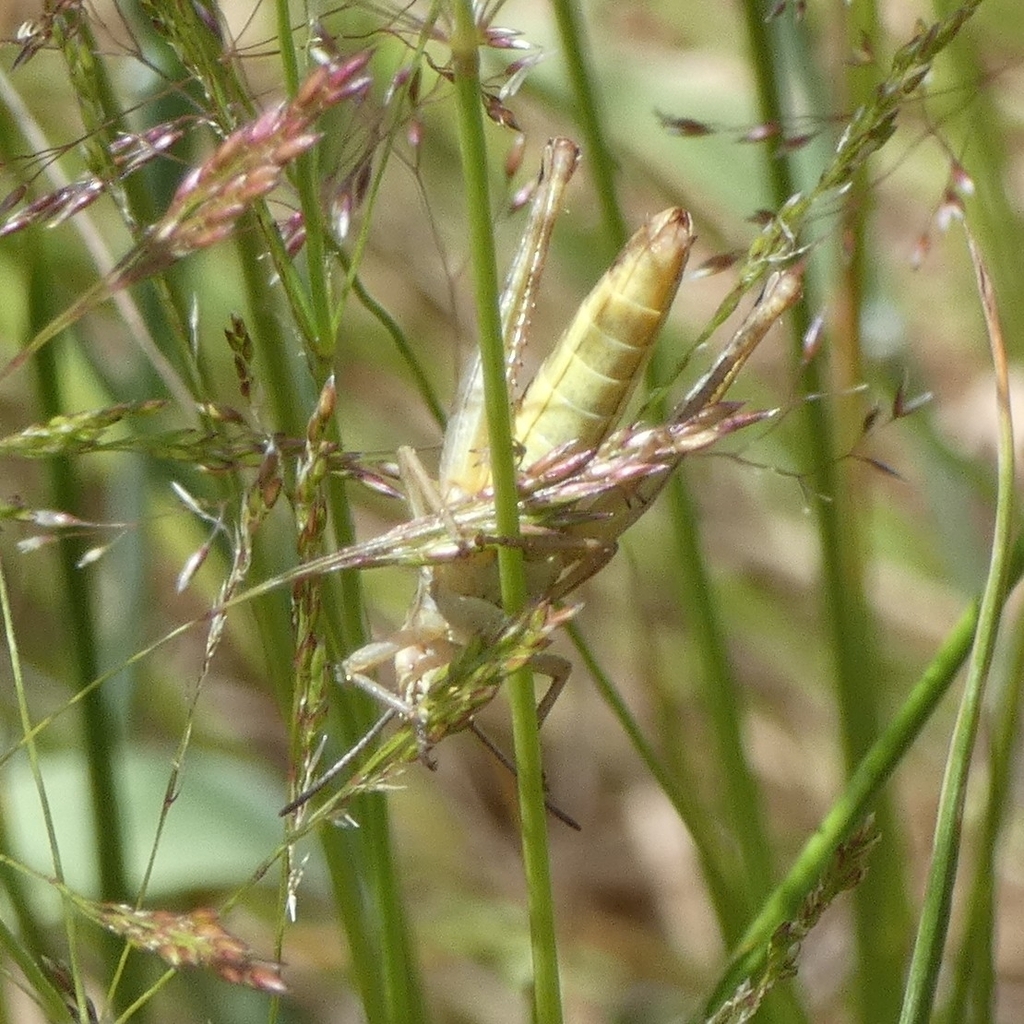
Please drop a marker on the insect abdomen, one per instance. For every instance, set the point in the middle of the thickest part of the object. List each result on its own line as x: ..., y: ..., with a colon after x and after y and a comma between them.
x: 583, y: 386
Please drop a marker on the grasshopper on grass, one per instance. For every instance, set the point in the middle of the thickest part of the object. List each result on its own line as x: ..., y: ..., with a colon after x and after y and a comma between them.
x: 581, y: 485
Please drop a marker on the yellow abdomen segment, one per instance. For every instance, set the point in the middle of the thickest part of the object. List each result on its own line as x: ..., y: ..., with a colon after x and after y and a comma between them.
x: 583, y: 386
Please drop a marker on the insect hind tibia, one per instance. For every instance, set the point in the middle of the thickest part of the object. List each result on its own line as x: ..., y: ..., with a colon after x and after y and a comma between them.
x: 465, y: 468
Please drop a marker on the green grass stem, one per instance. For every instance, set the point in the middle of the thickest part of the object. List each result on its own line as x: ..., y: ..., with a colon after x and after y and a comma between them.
x: 547, y: 1006
x: 858, y: 797
x: 918, y: 1003
x: 880, y: 904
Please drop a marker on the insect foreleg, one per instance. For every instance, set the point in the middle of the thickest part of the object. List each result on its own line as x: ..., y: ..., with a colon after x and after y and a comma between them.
x: 392, y: 701
x: 417, y: 648
x: 424, y: 496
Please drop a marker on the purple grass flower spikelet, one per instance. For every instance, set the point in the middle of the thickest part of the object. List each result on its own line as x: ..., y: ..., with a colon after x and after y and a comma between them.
x: 251, y: 161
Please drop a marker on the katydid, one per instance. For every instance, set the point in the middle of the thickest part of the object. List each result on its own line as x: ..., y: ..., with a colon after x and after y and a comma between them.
x: 563, y: 423
x: 577, y: 396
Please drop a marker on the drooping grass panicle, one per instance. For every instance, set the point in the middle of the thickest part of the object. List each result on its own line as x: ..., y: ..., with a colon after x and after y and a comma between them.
x: 212, y: 197
x: 196, y: 938
x: 780, y: 241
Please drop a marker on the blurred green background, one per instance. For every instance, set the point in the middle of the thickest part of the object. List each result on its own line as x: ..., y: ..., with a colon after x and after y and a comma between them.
x: 639, y: 939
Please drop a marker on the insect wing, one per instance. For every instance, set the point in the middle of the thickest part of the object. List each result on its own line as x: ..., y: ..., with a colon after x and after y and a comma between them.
x: 582, y: 387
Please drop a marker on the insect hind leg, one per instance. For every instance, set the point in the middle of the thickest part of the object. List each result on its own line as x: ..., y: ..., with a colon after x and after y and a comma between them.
x: 557, y: 669
x: 506, y: 762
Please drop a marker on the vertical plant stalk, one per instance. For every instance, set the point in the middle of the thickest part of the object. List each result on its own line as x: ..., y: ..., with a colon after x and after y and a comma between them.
x: 46, y: 993
x: 101, y: 734
x: 684, y: 798
x: 581, y: 78
x: 931, y: 936
x: 726, y: 704
x: 102, y: 738
x: 973, y: 991
x: 884, y: 917
x: 465, y: 61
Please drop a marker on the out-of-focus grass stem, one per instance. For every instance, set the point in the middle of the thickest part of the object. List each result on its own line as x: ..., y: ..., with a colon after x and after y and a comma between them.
x: 720, y: 690
x: 923, y: 975
x: 880, y: 902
